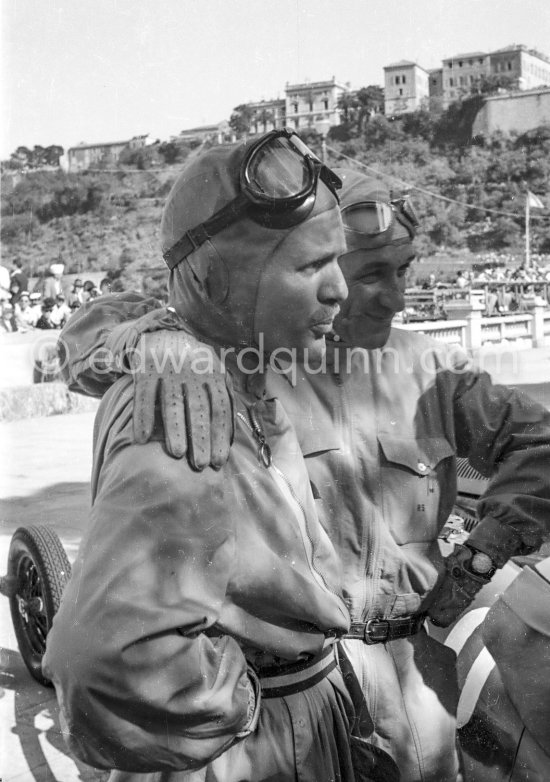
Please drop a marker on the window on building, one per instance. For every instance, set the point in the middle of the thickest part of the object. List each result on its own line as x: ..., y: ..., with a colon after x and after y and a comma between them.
x: 397, y: 79
x: 509, y: 66
x: 451, y: 82
x: 297, y: 123
x: 480, y: 61
x: 460, y: 63
x: 404, y: 79
x: 450, y: 64
x: 295, y: 108
x: 325, y: 103
x: 311, y: 105
x: 400, y: 91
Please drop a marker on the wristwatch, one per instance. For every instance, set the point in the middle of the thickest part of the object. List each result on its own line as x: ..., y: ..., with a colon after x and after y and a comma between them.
x: 481, y: 564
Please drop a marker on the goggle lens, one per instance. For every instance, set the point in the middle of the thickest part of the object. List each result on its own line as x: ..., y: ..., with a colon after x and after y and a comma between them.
x: 368, y: 217
x: 276, y: 171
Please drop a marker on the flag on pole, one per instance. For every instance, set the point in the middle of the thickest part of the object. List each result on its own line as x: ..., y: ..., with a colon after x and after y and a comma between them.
x: 534, y: 201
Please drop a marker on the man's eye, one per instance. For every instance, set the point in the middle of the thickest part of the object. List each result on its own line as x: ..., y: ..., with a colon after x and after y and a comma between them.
x: 316, y: 265
x: 370, y: 278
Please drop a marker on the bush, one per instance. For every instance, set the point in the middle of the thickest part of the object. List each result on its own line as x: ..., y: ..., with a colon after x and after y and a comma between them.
x: 19, y: 226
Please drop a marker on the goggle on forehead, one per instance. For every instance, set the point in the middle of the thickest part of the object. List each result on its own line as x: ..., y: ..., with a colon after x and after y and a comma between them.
x: 373, y: 218
x: 278, y: 185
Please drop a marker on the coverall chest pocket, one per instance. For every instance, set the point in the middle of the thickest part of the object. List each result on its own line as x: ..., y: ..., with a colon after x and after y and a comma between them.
x: 418, y: 483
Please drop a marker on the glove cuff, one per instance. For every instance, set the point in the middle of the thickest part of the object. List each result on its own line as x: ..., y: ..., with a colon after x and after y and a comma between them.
x: 497, y: 540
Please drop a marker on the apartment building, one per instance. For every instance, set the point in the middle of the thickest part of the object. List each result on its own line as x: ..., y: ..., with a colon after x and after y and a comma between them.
x: 312, y: 102
x: 219, y: 132
x: 406, y: 87
x: 268, y: 115
x: 461, y: 72
x: 528, y: 67
x: 85, y: 156
x: 305, y: 105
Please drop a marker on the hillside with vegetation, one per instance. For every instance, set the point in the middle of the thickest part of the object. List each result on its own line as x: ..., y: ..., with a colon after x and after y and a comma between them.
x: 469, y: 194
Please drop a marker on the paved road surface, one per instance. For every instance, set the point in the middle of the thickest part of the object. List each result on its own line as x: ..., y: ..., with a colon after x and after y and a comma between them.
x: 44, y: 479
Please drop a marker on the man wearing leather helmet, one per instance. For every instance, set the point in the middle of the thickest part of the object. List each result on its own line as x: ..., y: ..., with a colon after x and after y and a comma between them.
x: 196, y: 637
x: 381, y: 429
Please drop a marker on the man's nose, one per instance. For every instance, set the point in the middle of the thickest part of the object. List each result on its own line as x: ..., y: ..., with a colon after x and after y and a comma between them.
x: 333, y: 288
x: 392, y: 295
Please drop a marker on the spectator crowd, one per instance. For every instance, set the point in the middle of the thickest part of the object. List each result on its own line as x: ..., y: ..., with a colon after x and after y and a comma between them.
x: 48, y: 304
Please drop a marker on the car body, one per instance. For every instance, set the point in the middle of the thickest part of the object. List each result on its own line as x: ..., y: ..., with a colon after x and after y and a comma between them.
x: 495, y: 744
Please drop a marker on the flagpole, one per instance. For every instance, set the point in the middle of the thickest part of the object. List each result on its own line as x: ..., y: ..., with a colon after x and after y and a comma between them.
x: 527, y: 248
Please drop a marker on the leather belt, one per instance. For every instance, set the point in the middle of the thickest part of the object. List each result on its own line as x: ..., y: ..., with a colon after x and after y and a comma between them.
x: 278, y: 681
x: 379, y: 631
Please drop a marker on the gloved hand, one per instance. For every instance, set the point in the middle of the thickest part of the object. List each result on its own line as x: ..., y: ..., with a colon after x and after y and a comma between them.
x: 196, y: 406
x: 123, y: 338
x: 466, y: 572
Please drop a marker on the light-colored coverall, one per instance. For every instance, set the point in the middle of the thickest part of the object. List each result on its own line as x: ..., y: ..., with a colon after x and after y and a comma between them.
x: 184, y: 580
x: 380, y: 437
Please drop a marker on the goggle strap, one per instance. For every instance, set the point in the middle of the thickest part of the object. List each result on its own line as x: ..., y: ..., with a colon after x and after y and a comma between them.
x: 195, y: 237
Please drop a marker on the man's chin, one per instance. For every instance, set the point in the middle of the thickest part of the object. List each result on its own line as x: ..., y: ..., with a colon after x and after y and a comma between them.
x: 312, y: 353
x: 371, y: 336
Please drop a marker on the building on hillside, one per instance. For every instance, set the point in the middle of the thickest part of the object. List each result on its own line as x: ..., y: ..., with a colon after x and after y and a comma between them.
x: 312, y: 102
x: 85, y: 156
x: 435, y: 89
x: 304, y: 106
x: 219, y: 132
x: 528, y: 67
x: 513, y: 112
x: 461, y: 72
x: 406, y: 88
x: 267, y: 115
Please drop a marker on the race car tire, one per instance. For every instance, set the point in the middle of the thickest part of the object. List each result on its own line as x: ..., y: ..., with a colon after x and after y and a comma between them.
x: 38, y: 563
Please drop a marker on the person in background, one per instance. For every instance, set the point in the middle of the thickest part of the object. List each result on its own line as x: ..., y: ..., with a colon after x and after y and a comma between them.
x: 7, y: 324
x: 5, y: 281
x: 24, y: 315
x: 461, y: 281
x: 75, y: 296
x: 53, y: 284
x: 19, y: 275
x: 36, y: 304
x: 105, y: 286
x: 45, y: 321
x: 388, y: 426
x: 15, y: 292
x: 61, y: 311
x: 89, y: 291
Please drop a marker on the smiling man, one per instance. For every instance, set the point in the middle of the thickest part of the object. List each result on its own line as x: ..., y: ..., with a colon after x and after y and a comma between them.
x: 381, y: 429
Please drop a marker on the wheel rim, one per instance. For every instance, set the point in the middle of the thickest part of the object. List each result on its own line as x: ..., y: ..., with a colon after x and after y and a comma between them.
x: 30, y: 603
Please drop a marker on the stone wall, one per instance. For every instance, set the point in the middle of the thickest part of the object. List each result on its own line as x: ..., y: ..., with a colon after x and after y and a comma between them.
x: 519, y: 112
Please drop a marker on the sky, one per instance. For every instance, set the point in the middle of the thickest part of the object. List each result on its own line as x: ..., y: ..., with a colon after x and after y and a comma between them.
x: 105, y: 70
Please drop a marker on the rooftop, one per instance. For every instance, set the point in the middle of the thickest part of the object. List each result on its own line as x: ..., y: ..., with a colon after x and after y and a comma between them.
x: 466, y: 56
x: 401, y: 64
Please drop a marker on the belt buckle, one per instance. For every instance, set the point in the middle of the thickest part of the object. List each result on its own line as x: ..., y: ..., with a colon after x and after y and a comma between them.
x: 376, y: 631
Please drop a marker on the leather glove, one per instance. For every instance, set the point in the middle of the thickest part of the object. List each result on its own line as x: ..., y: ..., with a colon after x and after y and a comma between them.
x: 123, y: 338
x: 467, y: 570
x: 196, y: 406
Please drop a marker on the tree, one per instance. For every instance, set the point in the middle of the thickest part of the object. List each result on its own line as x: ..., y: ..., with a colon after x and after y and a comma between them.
x: 241, y: 119
x: 492, y: 83
x: 264, y: 117
x: 38, y: 157
x: 370, y: 101
x: 347, y: 103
